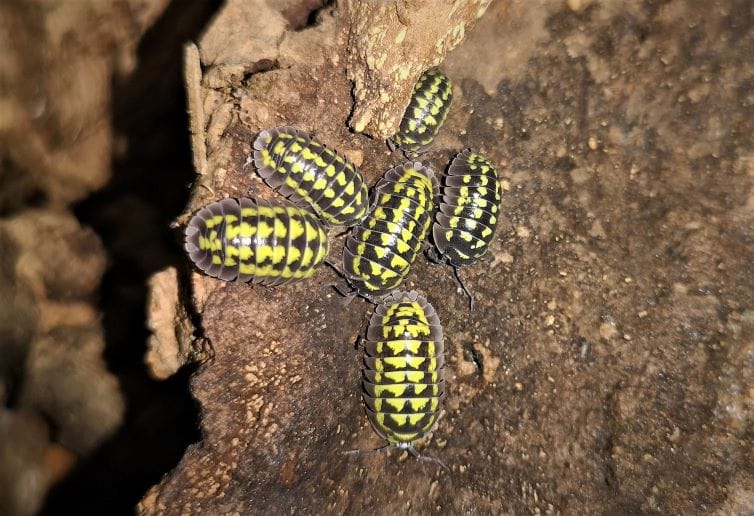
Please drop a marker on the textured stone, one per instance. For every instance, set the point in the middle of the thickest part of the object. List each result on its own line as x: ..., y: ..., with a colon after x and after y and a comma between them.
x: 545, y: 412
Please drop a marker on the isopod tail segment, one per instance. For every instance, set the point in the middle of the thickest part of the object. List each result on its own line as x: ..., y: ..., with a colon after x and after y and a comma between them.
x: 348, y: 292
x: 402, y: 446
x: 353, y: 293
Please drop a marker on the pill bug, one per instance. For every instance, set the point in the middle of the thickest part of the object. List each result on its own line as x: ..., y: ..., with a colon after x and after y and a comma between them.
x: 255, y: 241
x: 425, y: 114
x: 304, y: 170
x: 469, y: 205
x: 403, y: 377
x: 379, y: 252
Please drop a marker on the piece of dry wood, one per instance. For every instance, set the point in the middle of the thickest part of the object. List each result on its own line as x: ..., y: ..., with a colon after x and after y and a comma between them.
x: 173, y: 341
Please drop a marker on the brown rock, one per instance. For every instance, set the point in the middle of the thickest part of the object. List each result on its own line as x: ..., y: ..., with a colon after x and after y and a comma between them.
x: 58, y: 258
x: 390, y: 44
x: 67, y: 381
x: 56, y: 134
x: 172, y: 343
x: 578, y: 409
x: 24, y: 477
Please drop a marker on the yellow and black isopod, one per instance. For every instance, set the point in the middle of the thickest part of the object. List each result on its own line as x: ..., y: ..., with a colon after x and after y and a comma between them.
x: 425, y: 114
x: 255, y: 241
x: 304, y: 170
x: 467, y: 218
x: 379, y: 252
x: 403, y: 376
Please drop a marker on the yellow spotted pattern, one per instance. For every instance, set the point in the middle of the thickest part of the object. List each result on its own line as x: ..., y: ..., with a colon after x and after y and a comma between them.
x: 379, y: 252
x: 469, y: 210
x: 426, y: 112
x: 404, y: 384
x: 306, y: 171
x: 255, y: 241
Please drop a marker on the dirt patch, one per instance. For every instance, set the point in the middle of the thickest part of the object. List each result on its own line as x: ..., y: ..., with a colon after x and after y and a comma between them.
x: 607, y: 366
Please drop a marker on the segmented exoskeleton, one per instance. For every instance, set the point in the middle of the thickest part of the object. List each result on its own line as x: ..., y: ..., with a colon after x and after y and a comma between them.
x: 379, y: 252
x: 256, y: 241
x: 304, y: 170
x: 404, y: 364
x: 425, y: 114
x: 467, y: 218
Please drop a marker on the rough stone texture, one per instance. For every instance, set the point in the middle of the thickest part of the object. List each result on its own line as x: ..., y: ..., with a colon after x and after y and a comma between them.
x: 229, y: 63
x: 89, y: 102
x: 51, y: 343
x: 56, y: 256
x: 19, y: 318
x: 173, y: 341
x: 67, y: 382
x: 608, y: 365
x: 233, y: 111
x: 390, y: 44
x: 23, y: 477
x: 56, y: 75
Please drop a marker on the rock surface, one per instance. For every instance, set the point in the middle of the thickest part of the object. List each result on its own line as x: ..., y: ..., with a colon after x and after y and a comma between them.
x: 58, y: 401
x: 608, y: 365
x: 52, y: 370
x: 56, y: 138
x: 390, y: 44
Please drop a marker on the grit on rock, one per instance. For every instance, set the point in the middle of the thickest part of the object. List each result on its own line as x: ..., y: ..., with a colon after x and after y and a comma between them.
x: 607, y: 366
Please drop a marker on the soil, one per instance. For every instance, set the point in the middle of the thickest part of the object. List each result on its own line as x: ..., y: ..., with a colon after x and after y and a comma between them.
x: 608, y: 364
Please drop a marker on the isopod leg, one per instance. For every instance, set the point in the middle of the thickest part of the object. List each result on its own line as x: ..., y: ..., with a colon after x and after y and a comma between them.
x: 463, y: 286
x: 366, y: 453
x: 424, y: 458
